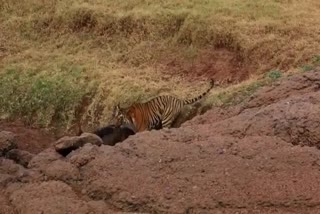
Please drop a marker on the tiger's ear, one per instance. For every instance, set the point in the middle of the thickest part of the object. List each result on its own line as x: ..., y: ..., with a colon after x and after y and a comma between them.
x: 116, y: 109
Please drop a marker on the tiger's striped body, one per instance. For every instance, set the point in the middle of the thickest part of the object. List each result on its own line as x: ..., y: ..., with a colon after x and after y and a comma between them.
x: 156, y: 113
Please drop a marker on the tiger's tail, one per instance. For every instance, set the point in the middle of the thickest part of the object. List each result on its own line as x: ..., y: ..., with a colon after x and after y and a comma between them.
x: 80, y: 131
x: 195, y: 99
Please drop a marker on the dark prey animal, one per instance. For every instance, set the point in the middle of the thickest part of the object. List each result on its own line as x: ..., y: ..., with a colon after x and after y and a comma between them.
x: 112, y: 134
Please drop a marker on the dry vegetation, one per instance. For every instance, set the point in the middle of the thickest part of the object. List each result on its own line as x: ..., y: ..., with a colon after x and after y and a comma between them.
x: 60, y: 60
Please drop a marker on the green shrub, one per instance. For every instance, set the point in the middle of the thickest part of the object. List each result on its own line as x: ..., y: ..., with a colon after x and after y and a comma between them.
x: 42, y: 97
x: 307, y: 68
x: 316, y: 59
x: 273, y: 75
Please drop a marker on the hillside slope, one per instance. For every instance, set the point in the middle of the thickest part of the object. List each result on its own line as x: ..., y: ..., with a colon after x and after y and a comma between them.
x: 65, y: 61
x: 261, y: 155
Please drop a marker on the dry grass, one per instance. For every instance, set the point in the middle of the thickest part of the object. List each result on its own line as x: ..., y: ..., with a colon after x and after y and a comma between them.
x: 120, y: 45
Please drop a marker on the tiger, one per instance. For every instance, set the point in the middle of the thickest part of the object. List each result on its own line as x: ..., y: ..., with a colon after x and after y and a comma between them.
x: 157, y: 113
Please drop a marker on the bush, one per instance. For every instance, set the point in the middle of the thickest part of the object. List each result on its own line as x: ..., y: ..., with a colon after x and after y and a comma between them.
x: 273, y: 75
x: 41, y: 97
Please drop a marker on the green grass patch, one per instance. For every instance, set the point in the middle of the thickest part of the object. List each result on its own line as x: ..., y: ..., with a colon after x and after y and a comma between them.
x: 273, y: 75
x: 305, y: 68
x: 316, y: 60
x: 238, y: 95
x: 42, y: 98
x: 233, y: 95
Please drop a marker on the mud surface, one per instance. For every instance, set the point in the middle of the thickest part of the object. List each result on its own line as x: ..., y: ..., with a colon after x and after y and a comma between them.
x: 29, y: 139
x: 258, y: 157
x: 221, y: 64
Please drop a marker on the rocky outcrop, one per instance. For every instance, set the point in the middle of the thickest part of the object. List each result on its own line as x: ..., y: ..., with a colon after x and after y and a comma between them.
x: 67, y: 144
x: 9, y: 149
x: 20, y: 156
x: 261, y: 156
x: 108, y: 135
x: 8, y: 141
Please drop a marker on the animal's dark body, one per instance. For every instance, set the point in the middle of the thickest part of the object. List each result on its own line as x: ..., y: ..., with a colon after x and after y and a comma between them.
x: 112, y: 134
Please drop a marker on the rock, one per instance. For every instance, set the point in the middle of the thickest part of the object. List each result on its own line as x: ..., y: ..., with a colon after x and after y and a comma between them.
x: 19, y: 156
x: 44, y: 158
x: 5, y: 207
x: 10, y: 167
x: 5, y: 179
x: 228, y: 160
x: 61, y: 170
x: 52, y: 197
x: 7, y: 142
x: 91, y: 138
x: 108, y: 135
x: 66, y: 144
x: 83, y: 155
x: 11, y: 171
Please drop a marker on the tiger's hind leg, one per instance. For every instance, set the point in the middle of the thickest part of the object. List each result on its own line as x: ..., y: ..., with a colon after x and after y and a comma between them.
x: 168, y: 122
x: 170, y: 117
x: 157, y: 124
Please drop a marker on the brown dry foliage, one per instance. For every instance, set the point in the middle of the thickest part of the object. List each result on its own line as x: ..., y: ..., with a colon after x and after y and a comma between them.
x: 124, y: 45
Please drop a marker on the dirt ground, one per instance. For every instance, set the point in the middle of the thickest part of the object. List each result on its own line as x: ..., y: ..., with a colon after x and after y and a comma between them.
x: 261, y: 156
x: 29, y: 139
x: 220, y: 64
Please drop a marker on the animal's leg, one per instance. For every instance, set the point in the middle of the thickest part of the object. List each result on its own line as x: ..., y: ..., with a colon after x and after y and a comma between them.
x: 156, y: 125
x: 167, y: 123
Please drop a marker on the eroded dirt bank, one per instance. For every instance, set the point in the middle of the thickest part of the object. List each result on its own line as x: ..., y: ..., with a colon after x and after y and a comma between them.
x: 258, y: 157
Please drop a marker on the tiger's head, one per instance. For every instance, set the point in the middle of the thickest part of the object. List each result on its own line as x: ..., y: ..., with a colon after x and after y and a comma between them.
x: 121, y: 117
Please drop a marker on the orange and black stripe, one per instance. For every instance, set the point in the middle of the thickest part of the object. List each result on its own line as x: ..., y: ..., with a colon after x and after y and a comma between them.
x: 157, y: 113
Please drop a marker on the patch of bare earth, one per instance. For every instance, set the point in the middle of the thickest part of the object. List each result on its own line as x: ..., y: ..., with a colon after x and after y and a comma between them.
x: 261, y: 156
x: 30, y: 139
x: 220, y: 64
